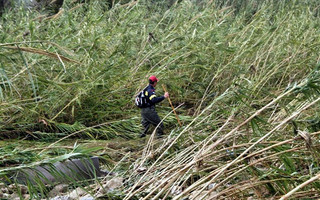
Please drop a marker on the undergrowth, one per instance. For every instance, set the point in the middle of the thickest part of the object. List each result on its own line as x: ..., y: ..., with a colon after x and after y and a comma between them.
x: 246, y: 73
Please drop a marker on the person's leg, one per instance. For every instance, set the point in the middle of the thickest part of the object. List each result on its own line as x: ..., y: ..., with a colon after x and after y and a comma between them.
x: 145, y: 123
x: 154, y: 119
x: 150, y: 116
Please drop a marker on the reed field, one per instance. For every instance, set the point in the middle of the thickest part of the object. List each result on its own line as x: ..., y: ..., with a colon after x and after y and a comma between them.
x: 243, y: 75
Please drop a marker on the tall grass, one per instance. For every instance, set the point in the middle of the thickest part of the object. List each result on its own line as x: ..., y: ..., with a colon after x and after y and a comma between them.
x: 246, y: 71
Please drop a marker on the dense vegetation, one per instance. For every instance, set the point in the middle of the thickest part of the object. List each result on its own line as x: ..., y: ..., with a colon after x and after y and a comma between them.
x: 244, y: 73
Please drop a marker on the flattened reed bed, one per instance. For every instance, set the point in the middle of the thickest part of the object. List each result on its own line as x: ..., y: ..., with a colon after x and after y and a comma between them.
x: 246, y: 72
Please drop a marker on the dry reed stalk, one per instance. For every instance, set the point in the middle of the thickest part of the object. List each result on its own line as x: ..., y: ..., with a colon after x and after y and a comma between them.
x: 274, y: 144
x: 175, y: 176
x: 235, y: 129
x: 24, y: 42
x: 104, y: 179
x: 55, y: 16
x: 244, y: 186
x: 168, y: 181
x: 207, y: 141
x: 59, y: 147
x: 40, y: 17
x: 146, y: 153
x: 244, y: 167
x: 165, y: 171
x: 286, y: 196
x: 74, y: 133
x: 42, y: 52
x: 76, y: 7
x: 262, y: 138
x: 172, y: 190
x: 148, y: 149
x: 63, y: 65
x: 167, y: 166
x: 66, y: 106
x: 237, y: 170
x: 130, y: 4
x: 246, y: 121
x: 130, y: 192
x: 303, y: 195
x: 174, y: 110
x: 40, y: 42
x: 210, y: 147
x: 207, y: 89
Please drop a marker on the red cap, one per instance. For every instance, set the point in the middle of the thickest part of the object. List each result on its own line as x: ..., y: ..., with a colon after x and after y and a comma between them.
x: 153, y: 79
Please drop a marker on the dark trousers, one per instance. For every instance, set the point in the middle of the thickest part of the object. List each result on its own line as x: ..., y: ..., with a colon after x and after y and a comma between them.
x: 150, y: 116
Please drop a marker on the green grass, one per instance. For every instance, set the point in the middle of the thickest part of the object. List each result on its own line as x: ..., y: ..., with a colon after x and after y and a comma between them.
x: 247, y: 73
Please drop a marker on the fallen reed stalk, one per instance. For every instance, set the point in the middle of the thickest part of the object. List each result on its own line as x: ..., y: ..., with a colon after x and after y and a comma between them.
x: 286, y: 196
x: 42, y: 52
x: 262, y: 138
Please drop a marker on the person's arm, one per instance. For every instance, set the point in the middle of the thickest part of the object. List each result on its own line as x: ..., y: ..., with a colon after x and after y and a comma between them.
x: 154, y: 99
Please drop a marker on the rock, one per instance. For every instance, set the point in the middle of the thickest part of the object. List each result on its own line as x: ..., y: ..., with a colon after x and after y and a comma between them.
x: 110, y: 185
x: 23, y: 189
x: 176, y: 190
x: 141, y: 169
x: 11, y: 188
x: 17, y: 188
x: 26, y: 196
x: 62, y: 172
x: 6, y: 196
x: 14, y: 196
x: 61, y: 198
x: 212, y: 195
x: 114, y: 183
x: 87, y: 197
x: 77, y: 193
x: 5, y: 190
x: 58, y: 189
x: 211, y: 186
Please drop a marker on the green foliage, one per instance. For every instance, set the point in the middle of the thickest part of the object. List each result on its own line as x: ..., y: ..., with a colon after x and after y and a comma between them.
x: 191, y: 44
x: 11, y: 155
x: 225, y: 60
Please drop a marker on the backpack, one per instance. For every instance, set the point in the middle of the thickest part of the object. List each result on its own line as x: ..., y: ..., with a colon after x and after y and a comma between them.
x: 141, y: 100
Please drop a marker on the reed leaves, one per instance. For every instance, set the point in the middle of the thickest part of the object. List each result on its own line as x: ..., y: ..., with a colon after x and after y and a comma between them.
x: 245, y: 73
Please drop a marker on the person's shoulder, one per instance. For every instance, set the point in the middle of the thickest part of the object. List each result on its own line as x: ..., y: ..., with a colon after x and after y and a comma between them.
x: 150, y: 88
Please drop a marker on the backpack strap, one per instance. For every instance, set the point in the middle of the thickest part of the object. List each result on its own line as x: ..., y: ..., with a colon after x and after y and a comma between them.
x: 144, y: 90
x: 146, y: 96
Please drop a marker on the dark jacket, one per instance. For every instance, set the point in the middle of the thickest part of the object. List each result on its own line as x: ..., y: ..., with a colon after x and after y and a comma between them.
x: 152, y: 98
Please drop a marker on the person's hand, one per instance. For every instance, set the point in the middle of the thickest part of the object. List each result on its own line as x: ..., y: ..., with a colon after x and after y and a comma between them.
x: 166, y: 95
